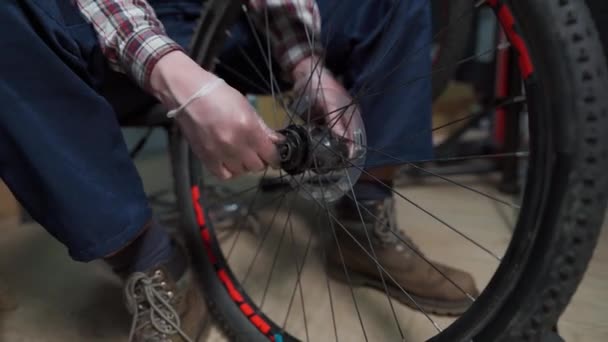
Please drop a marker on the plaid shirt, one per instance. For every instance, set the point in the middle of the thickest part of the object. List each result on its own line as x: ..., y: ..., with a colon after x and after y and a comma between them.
x: 133, y: 39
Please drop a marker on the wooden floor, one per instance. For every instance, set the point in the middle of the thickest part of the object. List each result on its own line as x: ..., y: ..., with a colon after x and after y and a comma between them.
x: 59, y: 300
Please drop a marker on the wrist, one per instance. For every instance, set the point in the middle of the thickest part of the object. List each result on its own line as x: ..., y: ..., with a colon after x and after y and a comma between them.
x: 305, y: 67
x: 176, y: 77
x: 205, y: 90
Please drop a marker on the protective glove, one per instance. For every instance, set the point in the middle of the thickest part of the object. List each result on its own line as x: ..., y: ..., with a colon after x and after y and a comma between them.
x: 223, y: 130
x: 329, y: 102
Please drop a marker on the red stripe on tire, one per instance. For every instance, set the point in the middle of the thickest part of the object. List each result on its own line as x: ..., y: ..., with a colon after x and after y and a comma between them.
x: 232, y: 291
x: 260, y: 324
x: 246, y: 309
x: 198, y: 210
x: 207, y: 243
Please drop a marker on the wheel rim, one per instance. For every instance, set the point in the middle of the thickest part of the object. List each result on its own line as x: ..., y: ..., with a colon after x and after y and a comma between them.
x: 266, y: 323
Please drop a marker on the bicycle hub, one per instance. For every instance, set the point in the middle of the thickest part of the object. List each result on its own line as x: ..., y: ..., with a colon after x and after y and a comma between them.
x: 311, y: 148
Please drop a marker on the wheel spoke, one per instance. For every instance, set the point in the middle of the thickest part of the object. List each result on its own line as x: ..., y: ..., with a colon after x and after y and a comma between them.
x: 244, y: 219
x: 411, y: 81
x: 474, y: 115
x: 339, y: 249
x: 263, y: 239
x: 251, y: 188
x: 299, y: 269
x: 331, y: 300
x: 371, y: 246
x: 242, y: 77
x: 274, y: 84
x: 352, y: 237
x: 298, y: 285
x: 443, y: 222
x: 276, y: 255
x: 512, y: 205
x: 413, y: 248
x: 252, y: 64
x: 269, y: 64
x: 520, y: 154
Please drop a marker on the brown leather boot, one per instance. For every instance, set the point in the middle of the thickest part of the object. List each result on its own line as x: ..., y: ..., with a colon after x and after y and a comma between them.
x: 398, y: 255
x: 164, y: 309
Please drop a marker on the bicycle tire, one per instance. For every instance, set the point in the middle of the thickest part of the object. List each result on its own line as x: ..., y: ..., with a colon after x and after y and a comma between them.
x: 599, y: 11
x: 564, y: 206
x: 452, y: 43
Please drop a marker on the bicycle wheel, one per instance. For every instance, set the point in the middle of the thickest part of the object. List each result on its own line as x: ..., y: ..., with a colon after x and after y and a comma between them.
x: 268, y: 282
x: 449, y: 46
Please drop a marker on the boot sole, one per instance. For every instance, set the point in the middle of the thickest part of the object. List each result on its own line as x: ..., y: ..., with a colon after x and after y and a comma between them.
x: 432, y: 306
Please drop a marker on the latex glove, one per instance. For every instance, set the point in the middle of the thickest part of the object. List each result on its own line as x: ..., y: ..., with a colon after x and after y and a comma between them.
x: 222, y: 128
x: 330, y: 102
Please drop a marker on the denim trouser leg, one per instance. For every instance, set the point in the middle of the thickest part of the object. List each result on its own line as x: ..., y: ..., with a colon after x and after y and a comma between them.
x: 61, y: 149
x: 386, y: 64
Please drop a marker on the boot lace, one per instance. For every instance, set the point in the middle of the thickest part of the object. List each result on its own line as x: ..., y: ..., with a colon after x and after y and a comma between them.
x: 149, y: 302
x: 386, y: 231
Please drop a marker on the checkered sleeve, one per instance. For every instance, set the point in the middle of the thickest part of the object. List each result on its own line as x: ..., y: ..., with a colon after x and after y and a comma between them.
x: 294, y: 27
x: 132, y: 39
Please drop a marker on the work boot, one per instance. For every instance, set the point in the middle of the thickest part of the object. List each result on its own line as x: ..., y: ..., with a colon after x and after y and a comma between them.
x: 428, y: 286
x: 165, y: 309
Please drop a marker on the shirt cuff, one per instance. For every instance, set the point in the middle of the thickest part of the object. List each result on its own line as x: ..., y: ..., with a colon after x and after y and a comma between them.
x: 294, y: 54
x: 143, y: 50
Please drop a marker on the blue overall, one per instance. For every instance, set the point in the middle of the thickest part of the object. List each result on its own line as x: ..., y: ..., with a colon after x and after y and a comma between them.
x: 61, y: 149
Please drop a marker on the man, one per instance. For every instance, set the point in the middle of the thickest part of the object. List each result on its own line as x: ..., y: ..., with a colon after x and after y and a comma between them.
x: 63, y: 156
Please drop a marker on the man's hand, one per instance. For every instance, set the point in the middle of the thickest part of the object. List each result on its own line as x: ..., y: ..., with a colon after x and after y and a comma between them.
x: 331, y: 103
x: 222, y: 127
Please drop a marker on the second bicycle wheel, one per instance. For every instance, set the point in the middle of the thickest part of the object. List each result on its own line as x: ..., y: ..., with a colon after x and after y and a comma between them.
x: 449, y: 45
x: 261, y: 250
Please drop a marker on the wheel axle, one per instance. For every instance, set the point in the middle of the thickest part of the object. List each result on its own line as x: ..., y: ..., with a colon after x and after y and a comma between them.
x: 311, y: 148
